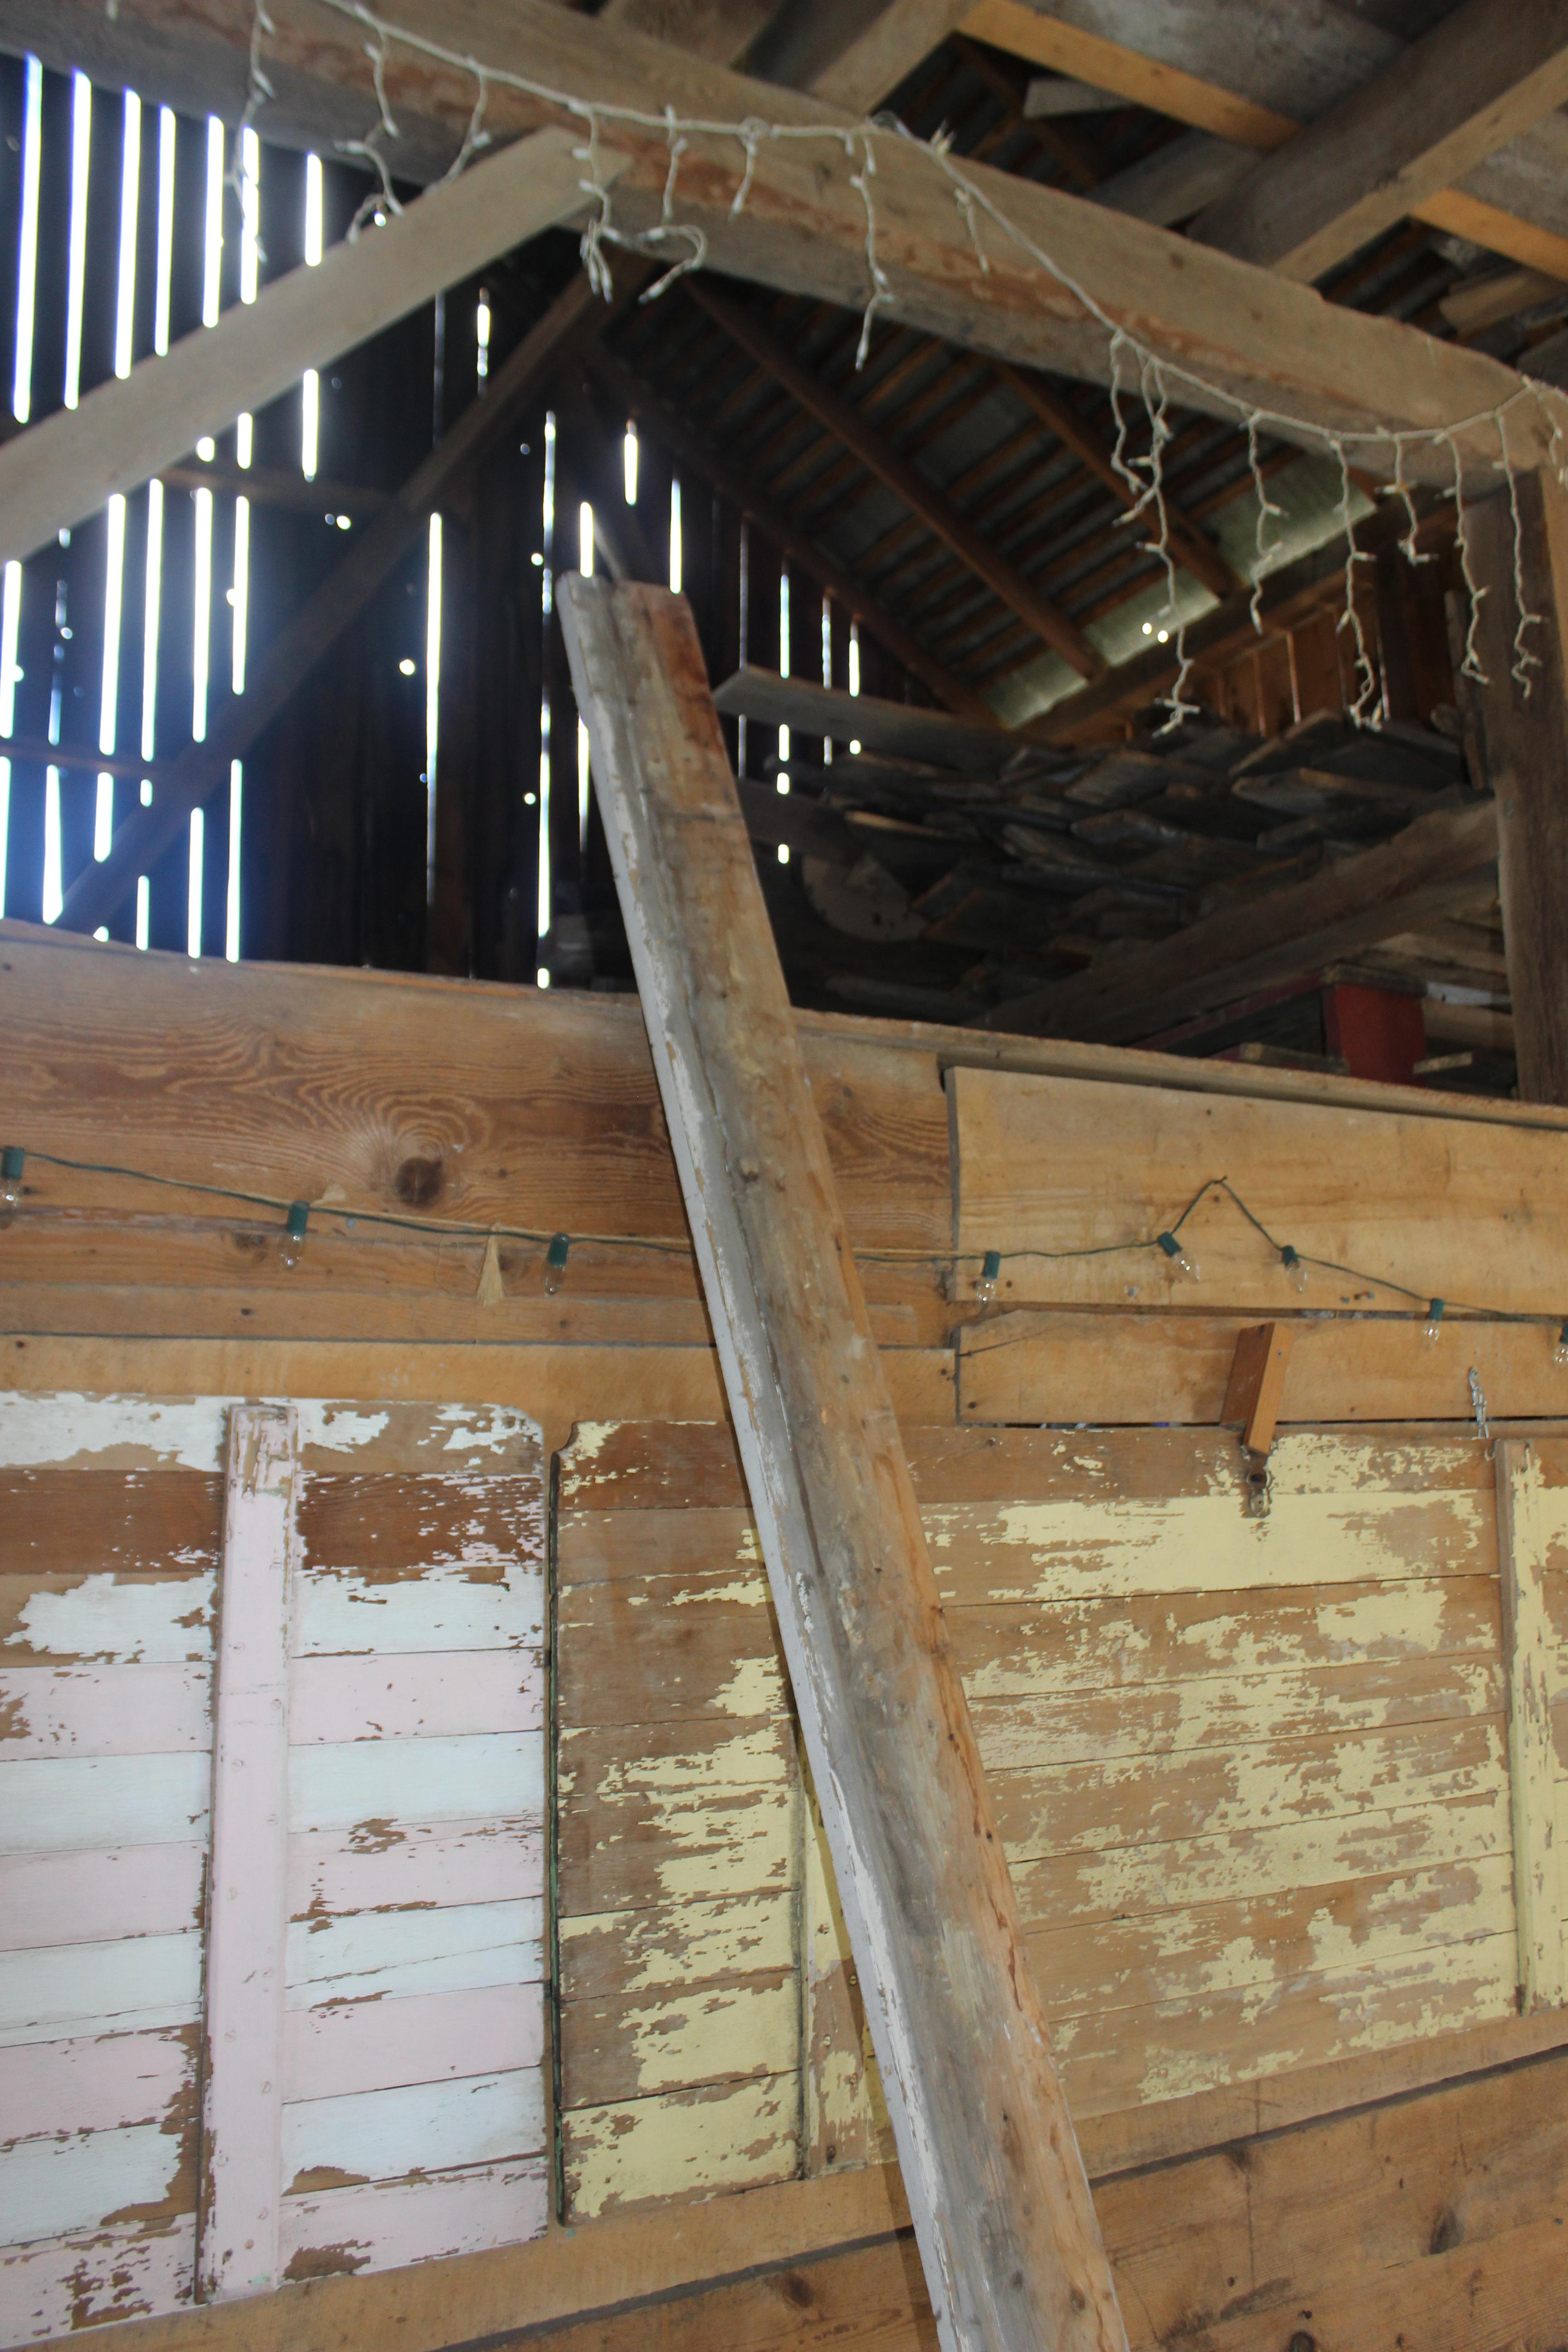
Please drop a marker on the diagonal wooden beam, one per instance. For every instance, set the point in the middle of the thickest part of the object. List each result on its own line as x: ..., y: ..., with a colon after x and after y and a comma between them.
x: 1193, y: 549
x: 1477, y: 80
x: 876, y: 454
x: 1007, y: 2230
x: 201, y: 770
x: 1426, y: 869
x: 698, y: 453
x: 57, y: 473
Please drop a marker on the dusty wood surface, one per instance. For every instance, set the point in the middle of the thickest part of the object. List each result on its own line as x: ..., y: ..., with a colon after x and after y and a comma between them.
x: 996, y: 2184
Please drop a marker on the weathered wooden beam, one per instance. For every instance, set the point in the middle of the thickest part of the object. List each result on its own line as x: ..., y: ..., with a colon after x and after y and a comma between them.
x: 701, y: 455
x: 1242, y: 94
x: 895, y: 728
x: 1250, y: 335
x: 57, y: 473
x: 1256, y: 1385
x: 1525, y: 718
x: 1196, y: 553
x: 996, y: 2187
x: 1351, y: 905
x: 203, y: 768
x: 923, y: 498
x: 1475, y: 81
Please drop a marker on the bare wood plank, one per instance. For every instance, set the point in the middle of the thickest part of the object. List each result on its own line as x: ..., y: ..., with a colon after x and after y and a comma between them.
x: 1529, y: 1655
x: 243, y: 2096
x: 962, y: 2051
x: 1471, y: 84
x: 865, y: 719
x: 1049, y: 1366
x: 60, y: 472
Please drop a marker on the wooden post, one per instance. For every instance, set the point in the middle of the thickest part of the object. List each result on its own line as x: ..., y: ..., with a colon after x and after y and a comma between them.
x: 1002, y: 2210
x: 1527, y: 761
x: 243, y: 2088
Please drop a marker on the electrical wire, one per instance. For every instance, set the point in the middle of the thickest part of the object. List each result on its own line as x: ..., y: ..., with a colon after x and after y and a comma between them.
x: 445, y: 1228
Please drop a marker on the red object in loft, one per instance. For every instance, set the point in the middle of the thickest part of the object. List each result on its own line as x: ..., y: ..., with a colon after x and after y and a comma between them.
x: 1377, y: 1033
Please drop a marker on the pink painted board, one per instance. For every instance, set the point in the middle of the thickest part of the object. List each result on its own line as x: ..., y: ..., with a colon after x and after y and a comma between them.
x: 373, y: 2045
x: 334, y: 1871
x: 423, y: 1693
x: 105, y: 1710
x: 243, y: 2102
x: 379, y: 2228
x: 98, y: 1895
x: 98, y: 2083
x: 59, y: 2285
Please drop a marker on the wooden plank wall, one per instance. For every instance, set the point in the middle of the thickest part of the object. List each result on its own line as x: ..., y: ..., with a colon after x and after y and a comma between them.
x: 1251, y: 1774
x: 401, y: 2115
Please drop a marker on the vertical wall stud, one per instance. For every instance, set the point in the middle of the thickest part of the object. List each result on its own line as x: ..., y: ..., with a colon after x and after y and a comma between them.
x: 1528, y: 1651
x: 248, y: 1906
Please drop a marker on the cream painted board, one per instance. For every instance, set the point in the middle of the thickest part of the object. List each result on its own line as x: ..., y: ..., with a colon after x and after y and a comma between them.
x: 702, y: 2033
x: 684, y: 2143
x: 1127, y: 1881
x: 678, y: 1943
x: 1057, y: 1164
x: 1532, y: 1677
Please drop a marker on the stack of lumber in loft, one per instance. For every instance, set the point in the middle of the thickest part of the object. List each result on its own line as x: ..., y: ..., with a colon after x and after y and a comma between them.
x: 397, y: 2113
x: 1253, y: 1776
x: 1036, y: 857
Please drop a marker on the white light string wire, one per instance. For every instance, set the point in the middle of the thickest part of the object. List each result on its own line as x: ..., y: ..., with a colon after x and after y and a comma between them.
x: 1159, y: 376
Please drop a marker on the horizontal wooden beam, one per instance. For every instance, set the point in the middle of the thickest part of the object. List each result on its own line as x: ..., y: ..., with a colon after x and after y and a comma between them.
x: 700, y: 454
x: 1348, y: 906
x: 57, y: 473
x: 898, y: 729
x: 1487, y: 72
x: 1247, y: 335
x: 924, y: 498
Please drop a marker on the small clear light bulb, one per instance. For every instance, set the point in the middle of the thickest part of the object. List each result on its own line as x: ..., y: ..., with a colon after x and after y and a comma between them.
x: 1560, y: 1353
x: 1433, y: 1321
x: 986, y: 1285
x: 291, y: 1248
x: 13, y: 1160
x: 1181, y: 1263
x: 1295, y: 1267
x: 555, y: 1262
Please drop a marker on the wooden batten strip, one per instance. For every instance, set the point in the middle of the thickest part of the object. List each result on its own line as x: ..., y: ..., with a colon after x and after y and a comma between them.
x: 243, y: 2100
x: 1530, y: 1659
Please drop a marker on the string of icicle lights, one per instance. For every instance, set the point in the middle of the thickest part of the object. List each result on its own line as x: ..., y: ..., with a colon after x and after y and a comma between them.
x: 1137, y: 373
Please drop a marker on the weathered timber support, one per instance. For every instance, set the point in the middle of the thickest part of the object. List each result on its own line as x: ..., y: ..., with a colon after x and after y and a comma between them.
x: 1007, y: 2228
x: 1526, y: 722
